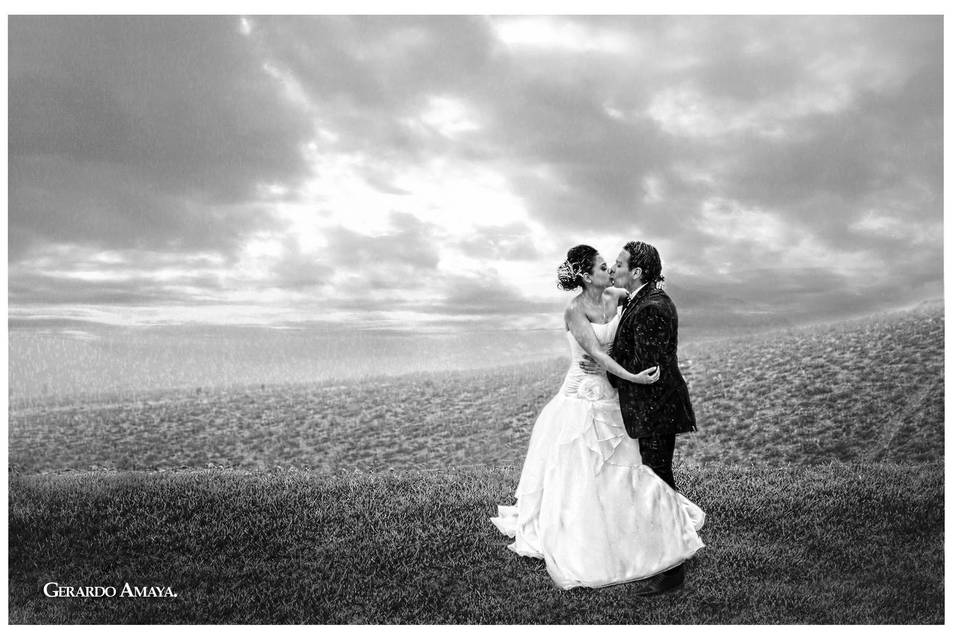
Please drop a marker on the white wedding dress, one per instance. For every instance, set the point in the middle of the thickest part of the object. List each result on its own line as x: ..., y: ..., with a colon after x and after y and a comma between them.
x: 586, y: 503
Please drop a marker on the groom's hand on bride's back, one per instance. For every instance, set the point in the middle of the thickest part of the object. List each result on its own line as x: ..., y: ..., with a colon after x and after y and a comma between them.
x: 589, y: 365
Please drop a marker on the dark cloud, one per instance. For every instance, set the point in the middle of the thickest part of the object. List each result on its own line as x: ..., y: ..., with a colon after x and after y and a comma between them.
x: 36, y: 289
x: 53, y: 199
x: 368, y: 75
x: 881, y: 145
x: 124, y: 130
x: 297, y: 271
x: 405, y: 256
x: 34, y: 323
x: 761, y: 299
x: 480, y: 296
x: 407, y: 243
x: 456, y: 298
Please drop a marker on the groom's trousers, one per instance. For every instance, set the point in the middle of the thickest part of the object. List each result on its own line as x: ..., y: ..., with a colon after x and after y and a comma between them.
x: 657, y: 453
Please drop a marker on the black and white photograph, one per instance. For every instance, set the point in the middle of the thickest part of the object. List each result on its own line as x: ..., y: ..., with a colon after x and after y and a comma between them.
x: 504, y: 317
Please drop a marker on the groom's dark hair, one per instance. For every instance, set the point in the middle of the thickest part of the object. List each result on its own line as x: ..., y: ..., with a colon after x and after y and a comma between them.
x: 645, y: 257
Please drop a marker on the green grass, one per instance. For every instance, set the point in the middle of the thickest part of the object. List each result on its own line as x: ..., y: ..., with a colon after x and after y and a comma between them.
x: 839, y: 543
x: 867, y: 390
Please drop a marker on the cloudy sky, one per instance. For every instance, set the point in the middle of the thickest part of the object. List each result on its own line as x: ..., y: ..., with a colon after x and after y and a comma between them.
x: 430, y: 172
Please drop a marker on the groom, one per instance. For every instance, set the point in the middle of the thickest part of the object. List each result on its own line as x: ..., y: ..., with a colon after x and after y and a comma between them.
x: 647, y: 336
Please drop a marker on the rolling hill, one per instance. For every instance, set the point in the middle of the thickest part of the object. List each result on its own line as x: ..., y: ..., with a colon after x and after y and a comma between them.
x: 864, y: 390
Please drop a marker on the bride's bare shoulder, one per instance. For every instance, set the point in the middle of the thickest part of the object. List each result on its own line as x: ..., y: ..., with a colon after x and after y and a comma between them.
x: 574, y: 306
x: 573, y: 310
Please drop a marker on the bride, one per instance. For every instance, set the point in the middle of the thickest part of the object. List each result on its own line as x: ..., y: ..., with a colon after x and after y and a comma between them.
x: 585, y: 502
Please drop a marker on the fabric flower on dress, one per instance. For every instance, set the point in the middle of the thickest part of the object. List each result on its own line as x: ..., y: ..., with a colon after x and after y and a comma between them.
x: 594, y: 388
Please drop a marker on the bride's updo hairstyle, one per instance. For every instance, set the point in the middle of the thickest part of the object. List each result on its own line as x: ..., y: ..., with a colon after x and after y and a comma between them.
x: 579, y: 262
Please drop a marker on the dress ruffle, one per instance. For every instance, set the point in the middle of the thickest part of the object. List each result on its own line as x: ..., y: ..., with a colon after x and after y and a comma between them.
x: 597, y: 426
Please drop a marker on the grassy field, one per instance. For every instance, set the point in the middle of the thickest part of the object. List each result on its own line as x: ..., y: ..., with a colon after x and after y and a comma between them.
x: 819, y: 463
x: 869, y: 390
x: 840, y: 543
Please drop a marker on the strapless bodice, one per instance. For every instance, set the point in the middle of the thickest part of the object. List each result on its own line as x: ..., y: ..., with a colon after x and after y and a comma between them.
x: 590, y: 386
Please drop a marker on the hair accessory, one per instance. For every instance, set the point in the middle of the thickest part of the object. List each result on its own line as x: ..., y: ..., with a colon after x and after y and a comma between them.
x: 566, y: 270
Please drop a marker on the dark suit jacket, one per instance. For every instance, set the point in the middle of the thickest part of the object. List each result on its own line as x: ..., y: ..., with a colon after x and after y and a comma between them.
x: 647, y: 336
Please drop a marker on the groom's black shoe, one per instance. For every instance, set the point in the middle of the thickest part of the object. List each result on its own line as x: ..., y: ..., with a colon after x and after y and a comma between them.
x: 662, y: 582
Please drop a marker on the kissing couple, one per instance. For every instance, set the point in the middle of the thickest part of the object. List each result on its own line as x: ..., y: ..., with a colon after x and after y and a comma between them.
x: 596, y: 498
